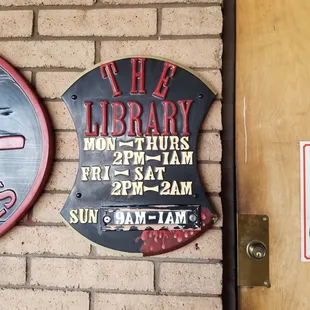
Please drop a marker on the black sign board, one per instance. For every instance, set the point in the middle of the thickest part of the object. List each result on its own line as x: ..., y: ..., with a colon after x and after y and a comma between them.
x: 138, y: 187
x: 25, y: 147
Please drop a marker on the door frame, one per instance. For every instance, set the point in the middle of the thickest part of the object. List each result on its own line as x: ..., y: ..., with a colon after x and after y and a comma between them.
x: 228, y: 194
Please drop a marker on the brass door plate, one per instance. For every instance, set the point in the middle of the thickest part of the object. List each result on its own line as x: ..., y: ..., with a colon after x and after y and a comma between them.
x: 253, y: 250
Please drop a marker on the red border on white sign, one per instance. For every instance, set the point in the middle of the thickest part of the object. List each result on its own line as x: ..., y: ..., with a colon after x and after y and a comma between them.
x: 47, y: 149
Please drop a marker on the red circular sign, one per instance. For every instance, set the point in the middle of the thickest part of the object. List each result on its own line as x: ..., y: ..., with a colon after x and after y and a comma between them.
x: 26, y: 147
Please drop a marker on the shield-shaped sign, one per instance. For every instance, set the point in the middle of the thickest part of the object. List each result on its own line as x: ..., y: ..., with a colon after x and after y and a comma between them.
x: 138, y: 188
x: 25, y: 147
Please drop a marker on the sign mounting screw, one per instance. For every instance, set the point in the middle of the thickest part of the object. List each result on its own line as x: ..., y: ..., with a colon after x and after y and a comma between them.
x: 107, y: 219
x: 193, y: 218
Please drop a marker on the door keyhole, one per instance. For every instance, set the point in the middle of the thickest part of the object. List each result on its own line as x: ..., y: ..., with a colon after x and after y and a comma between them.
x: 256, y: 250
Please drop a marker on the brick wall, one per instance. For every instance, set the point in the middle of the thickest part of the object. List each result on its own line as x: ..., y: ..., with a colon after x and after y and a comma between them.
x: 44, y: 264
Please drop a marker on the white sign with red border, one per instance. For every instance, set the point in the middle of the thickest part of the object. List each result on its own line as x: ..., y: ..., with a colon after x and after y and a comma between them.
x: 305, y: 199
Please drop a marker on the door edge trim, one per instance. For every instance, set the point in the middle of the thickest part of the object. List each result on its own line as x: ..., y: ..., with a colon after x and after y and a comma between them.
x: 228, y: 194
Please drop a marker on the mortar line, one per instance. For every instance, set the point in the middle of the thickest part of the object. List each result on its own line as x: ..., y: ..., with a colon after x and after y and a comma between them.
x: 210, y: 163
x: 52, y: 69
x: 213, y: 194
x: 58, y: 160
x: 76, y: 160
x: 91, y: 301
x: 60, y: 130
x: 64, y: 130
x: 156, y: 277
x: 34, y: 18
x: 36, y: 38
x: 199, y: 161
x: 108, y: 6
x: 39, y: 224
x: 159, y: 22
x: 93, y: 251
x: 53, y: 100
x: 35, y: 22
x: 32, y: 223
x: 80, y: 70
x: 58, y: 191
x: 34, y: 80
x: 152, y: 259
x: 199, y: 69
x: 97, y: 51
x: 28, y: 271
x: 30, y: 216
x: 106, y: 291
x: 59, y: 100
x: 210, y: 131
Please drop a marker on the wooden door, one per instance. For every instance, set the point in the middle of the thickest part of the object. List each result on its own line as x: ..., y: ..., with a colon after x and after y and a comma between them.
x: 272, y: 116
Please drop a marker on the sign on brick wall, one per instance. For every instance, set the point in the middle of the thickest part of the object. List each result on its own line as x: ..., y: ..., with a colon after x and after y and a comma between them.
x: 25, y: 147
x: 137, y: 187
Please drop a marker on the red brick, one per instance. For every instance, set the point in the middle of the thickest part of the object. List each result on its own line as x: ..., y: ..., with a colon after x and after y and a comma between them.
x: 16, y: 23
x: 124, y: 22
x: 43, y: 240
x: 45, y: 2
x: 192, y: 21
x: 68, y: 54
x: 23, y: 299
x: 47, y: 208
x: 213, y: 78
x: 61, y: 118
x: 67, y: 145
x: 211, y: 177
x: 188, y: 52
x: 12, y: 271
x: 142, y: 302
x: 53, y: 84
x: 209, y: 147
x: 91, y: 273
x: 213, y: 119
x: 63, y: 176
x: 190, y: 278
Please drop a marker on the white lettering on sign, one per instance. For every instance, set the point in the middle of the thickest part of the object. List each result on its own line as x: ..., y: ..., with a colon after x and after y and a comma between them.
x: 125, y: 218
x: 305, y: 200
x: 125, y: 188
x: 95, y: 173
x: 147, y: 165
x: 99, y: 144
x: 83, y: 216
x: 138, y: 218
